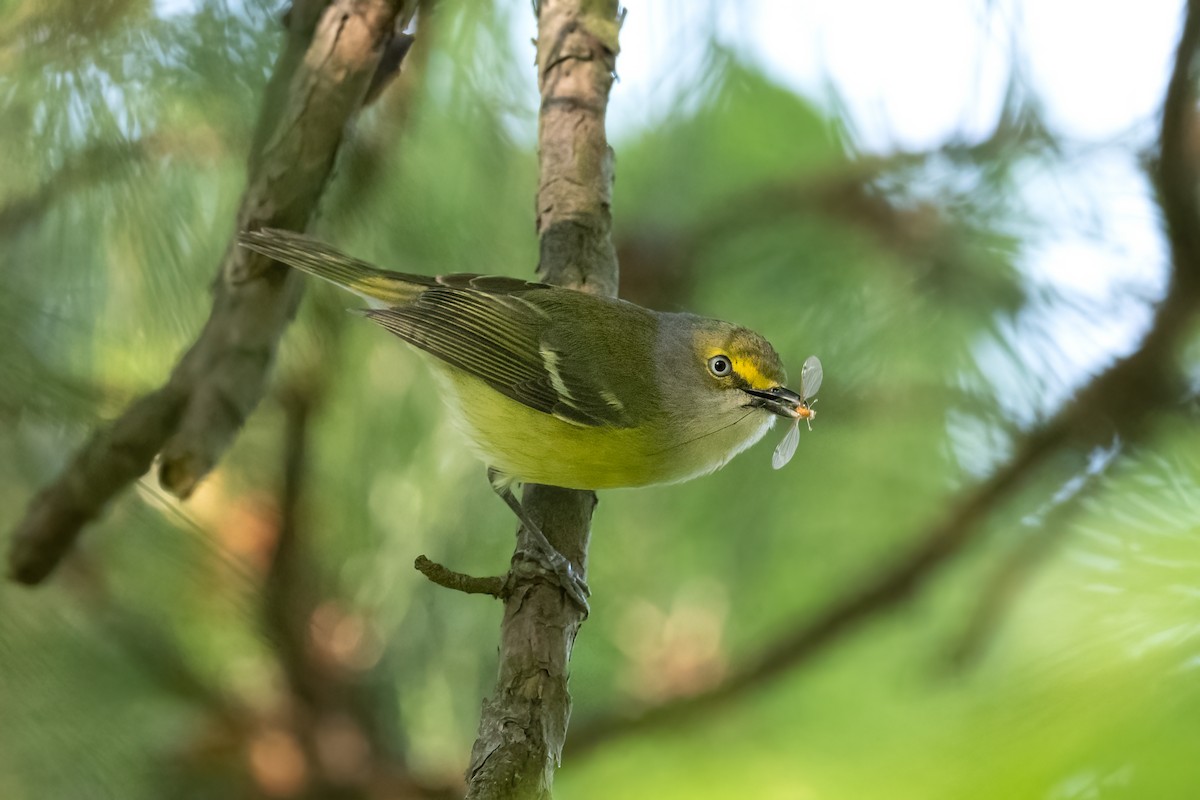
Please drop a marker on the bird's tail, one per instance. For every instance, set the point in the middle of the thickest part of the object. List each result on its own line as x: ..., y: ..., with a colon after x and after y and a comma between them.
x: 377, y: 286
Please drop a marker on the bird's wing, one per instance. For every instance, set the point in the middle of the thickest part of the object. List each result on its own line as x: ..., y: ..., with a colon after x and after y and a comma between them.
x: 488, y: 328
x: 481, y: 324
x: 306, y: 254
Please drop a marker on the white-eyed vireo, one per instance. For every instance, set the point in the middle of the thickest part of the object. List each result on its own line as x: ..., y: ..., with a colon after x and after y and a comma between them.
x: 569, y: 389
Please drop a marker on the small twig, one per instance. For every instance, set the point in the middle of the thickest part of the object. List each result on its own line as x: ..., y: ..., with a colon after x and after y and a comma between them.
x: 112, y: 459
x: 458, y: 581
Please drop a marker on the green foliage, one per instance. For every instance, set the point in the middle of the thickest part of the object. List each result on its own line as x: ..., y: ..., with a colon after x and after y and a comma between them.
x: 126, y: 134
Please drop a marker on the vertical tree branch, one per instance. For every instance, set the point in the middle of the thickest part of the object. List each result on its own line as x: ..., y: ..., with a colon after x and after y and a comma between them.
x: 576, y: 56
x: 332, y: 52
x: 523, y: 725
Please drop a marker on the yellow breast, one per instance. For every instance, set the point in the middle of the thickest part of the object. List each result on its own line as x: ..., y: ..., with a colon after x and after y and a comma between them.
x: 535, y: 447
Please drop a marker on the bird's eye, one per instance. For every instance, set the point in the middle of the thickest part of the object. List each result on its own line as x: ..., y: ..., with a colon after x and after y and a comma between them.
x: 720, y: 366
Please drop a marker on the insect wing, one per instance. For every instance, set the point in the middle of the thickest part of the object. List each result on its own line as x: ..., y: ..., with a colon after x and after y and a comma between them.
x: 810, y: 377
x: 787, y: 448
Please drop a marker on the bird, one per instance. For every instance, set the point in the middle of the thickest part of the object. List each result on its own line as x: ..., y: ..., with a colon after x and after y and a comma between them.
x: 561, y: 387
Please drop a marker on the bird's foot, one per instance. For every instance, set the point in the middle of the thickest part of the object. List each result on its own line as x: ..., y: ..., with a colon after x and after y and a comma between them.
x: 555, y: 563
x: 542, y: 552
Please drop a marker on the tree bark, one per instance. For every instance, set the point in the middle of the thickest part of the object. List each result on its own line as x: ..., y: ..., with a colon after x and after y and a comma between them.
x: 332, y: 52
x: 523, y: 725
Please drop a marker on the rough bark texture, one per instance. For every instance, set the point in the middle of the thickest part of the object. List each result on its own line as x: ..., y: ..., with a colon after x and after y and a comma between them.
x: 331, y: 54
x: 523, y: 725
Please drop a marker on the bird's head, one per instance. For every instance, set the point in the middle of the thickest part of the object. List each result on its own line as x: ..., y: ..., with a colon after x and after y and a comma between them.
x: 742, y: 370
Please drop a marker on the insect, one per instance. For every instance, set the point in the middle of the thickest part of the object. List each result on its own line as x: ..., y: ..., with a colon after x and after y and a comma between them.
x: 810, y: 381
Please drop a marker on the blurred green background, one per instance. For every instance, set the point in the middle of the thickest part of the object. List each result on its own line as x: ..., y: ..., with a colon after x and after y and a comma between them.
x: 956, y: 292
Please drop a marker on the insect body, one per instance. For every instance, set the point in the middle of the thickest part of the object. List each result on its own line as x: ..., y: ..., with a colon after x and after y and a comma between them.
x: 810, y: 382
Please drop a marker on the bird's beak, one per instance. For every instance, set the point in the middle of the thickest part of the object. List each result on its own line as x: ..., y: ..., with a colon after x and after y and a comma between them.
x: 780, y: 400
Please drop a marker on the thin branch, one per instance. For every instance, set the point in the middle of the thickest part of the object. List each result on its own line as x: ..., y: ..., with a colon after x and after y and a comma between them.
x: 523, y: 725
x: 458, y: 581
x: 318, y: 85
x: 1118, y: 401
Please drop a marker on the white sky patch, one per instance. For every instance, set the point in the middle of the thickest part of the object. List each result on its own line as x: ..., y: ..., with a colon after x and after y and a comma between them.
x: 170, y: 8
x: 912, y: 74
x: 1100, y: 66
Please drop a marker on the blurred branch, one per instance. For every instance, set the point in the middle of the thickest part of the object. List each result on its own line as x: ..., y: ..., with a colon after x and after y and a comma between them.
x: 886, y: 590
x: 1118, y: 401
x: 318, y: 85
x: 292, y: 593
x: 291, y: 587
x: 365, y: 163
x: 1175, y: 173
x: 524, y: 723
x: 1002, y: 587
x: 339, y: 719
x: 98, y: 162
x: 847, y: 193
x: 389, y: 66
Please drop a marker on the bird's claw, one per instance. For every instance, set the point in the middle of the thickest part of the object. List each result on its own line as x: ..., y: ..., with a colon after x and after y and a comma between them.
x: 555, y: 563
